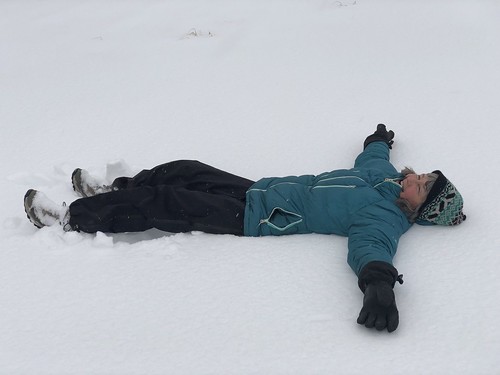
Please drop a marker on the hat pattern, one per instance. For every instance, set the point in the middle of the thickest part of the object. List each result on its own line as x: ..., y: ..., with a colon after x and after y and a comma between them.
x: 443, y: 205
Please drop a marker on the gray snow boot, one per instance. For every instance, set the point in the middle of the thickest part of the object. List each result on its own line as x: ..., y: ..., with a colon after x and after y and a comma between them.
x: 87, y: 186
x: 43, y: 212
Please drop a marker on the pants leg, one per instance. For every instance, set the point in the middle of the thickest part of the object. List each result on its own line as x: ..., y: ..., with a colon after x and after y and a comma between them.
x: 171, y: 209
x: 175, y: 197
x: 191, y: 175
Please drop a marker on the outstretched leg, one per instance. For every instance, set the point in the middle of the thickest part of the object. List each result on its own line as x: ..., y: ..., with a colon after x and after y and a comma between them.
x: 168, y: 208
x: 190, y: 174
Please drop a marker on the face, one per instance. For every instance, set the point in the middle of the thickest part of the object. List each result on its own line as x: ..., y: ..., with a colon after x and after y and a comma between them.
x: 413, y: 189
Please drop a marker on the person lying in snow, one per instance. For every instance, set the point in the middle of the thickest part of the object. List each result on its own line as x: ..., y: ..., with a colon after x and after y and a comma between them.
x: 372, y: 204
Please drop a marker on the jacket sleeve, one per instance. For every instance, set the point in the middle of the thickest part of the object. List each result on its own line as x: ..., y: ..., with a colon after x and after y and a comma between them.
x: 373, y: 154
x: 374, y: 235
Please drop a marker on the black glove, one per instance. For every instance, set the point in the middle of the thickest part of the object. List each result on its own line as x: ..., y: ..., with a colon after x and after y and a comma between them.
x: 376, y: 281
x: 380, y: 135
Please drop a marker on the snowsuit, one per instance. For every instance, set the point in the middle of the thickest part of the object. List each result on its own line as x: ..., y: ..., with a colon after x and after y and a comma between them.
x: 183, y: 196
x: 357, y: 203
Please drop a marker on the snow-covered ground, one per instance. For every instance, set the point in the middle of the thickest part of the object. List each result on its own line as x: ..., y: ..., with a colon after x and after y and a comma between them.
x: 257, y: 88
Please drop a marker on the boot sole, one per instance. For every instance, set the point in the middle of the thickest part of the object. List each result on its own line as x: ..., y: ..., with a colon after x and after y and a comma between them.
x: 28, y: 202
x: 76, y: 181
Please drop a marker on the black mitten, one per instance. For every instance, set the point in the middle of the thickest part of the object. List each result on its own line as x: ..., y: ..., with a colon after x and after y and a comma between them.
x: 381, y: 134
x: 376, y: 281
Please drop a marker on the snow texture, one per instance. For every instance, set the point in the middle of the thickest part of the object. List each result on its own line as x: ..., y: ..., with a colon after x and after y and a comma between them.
x: 258, y: 88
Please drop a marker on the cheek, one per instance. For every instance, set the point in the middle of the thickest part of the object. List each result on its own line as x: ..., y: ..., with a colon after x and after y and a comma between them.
x: 410, y: 195
x: 406, y: 194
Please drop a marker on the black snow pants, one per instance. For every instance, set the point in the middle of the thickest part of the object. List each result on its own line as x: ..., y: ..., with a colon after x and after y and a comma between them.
x: 180, y: 196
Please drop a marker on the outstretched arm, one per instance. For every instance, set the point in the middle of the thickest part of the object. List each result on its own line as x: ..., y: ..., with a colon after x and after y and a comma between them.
x: 372, y: 244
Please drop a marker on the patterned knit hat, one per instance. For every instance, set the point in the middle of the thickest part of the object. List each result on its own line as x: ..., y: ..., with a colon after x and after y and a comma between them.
x: 443, y: 205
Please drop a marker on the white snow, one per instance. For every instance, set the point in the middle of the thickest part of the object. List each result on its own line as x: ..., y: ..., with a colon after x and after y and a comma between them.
x: 258, y: 88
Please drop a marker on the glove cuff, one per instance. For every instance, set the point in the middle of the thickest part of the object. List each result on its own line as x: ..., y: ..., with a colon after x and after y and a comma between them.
x: 376, y: 272
x: 376, y: 138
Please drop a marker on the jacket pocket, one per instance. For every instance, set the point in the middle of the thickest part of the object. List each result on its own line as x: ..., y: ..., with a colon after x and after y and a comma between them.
x: 282, y: 220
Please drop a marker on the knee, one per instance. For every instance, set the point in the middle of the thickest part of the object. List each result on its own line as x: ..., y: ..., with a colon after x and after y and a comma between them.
x: 182, y: 165
x: 183, y: 162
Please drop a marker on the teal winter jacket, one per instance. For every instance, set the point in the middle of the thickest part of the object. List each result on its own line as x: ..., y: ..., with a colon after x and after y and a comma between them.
x: 357, y: 203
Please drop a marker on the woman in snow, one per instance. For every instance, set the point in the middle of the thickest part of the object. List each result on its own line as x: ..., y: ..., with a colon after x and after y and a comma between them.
x: 372, y: 204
